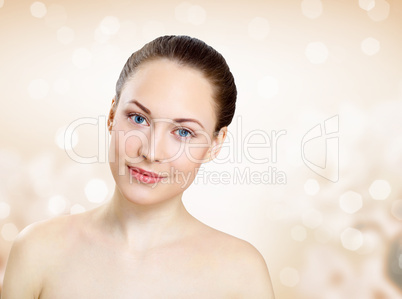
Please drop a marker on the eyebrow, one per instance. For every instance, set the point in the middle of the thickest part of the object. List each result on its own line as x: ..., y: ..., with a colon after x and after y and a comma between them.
x: 142, y: 107
x: 178, y: 120
x: 183, y: 120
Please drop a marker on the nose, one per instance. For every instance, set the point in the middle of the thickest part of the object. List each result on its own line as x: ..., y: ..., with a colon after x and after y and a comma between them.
x: 153, y: 149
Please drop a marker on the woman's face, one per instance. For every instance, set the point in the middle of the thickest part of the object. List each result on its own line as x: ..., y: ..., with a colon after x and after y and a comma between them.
x: 162, y: 131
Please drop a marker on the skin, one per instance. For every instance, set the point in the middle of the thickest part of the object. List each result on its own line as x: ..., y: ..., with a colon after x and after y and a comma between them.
x: 143, y: 243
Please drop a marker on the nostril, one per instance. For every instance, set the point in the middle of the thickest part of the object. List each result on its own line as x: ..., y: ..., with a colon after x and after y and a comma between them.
x: 153, y: 160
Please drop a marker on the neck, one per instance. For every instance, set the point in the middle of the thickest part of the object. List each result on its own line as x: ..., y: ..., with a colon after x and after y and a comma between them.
x: 144, y: 227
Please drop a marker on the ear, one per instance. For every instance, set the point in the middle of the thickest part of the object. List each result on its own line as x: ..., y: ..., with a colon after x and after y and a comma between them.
x: 110, y: 120
x: 216, y: 145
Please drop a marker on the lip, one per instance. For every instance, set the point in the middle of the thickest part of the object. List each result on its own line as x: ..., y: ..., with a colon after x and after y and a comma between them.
x: 144, y: 176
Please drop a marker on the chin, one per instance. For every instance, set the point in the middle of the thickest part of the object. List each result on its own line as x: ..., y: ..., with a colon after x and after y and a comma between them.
x: 142, y: 190
x: 141, y: 193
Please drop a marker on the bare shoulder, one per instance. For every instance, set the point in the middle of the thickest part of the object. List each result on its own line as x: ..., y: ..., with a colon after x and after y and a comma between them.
x: 242, y: 264
x: 48, y: 235
x: 32, y: 253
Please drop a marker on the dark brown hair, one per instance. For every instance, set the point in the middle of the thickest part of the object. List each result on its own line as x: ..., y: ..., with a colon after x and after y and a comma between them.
x: 196, y: 54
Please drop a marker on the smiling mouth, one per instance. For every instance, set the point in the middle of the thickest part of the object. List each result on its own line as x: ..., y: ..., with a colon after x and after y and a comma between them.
x: 144, y: 176
x: 144, y: 172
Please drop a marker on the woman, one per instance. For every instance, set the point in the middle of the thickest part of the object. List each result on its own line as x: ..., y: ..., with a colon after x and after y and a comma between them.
x: 174, y: 100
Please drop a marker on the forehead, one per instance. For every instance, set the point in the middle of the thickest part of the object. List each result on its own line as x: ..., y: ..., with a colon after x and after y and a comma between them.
x: 170, y: 90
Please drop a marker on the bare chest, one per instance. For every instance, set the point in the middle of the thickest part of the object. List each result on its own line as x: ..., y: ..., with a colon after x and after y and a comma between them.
x: 171, y: 273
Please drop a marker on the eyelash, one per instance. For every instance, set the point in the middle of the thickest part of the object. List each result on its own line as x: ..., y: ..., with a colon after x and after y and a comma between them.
x: 131, y: 115
x: 191, y: 133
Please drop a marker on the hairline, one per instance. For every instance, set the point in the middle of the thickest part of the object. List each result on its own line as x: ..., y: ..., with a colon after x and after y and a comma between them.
x: 181, y: 63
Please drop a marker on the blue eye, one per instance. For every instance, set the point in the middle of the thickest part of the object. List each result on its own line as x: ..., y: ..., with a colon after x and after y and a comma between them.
x: 138, y: 119
x: 183, y: 133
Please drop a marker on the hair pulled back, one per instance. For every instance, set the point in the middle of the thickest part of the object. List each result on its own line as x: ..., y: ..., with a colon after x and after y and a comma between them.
x: 194, y: 53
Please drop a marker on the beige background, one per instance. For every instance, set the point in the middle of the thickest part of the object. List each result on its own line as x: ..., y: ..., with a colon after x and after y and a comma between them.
x: 296, y: 64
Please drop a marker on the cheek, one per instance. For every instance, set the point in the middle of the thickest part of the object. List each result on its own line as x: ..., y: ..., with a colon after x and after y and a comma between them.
x: 185, y: 171
x: 196, y: 154
x: 196, y: 150
x: 114, y: 148
x: 190, y: 159
x: 114, y: 154
x: 129, y: 145
x: 129, y: 142
x: 124, y: 146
